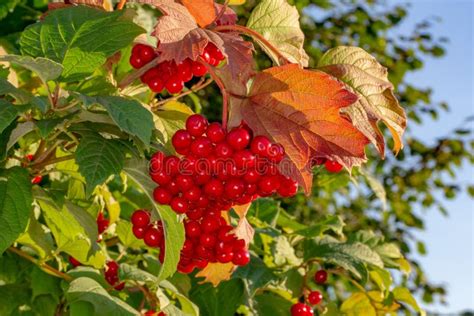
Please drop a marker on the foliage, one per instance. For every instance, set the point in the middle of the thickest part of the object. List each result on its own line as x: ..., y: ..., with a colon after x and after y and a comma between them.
x: 73, y: 113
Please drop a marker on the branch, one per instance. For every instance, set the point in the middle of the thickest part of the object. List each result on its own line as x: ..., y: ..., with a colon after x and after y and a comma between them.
x: 45, y: 267
x: 43, y: 164
x: 138, y: 73
x: 245, y: 30
x: 225, y: 94
x: 198, y: 86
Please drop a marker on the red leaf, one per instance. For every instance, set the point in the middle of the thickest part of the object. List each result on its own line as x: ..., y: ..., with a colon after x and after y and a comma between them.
x: 301, y: 110
x: 239, y: 54
x: 203, y: 11
x: 228, y: 18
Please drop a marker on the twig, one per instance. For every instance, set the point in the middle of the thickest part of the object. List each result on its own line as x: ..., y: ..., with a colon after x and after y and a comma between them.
x: 225, y: 95
x: 137, y: 74
x: 198, y: 86
x: 52, y: 161
x: 121, y: 4
x: 45, y: 267
x: 256, y: 35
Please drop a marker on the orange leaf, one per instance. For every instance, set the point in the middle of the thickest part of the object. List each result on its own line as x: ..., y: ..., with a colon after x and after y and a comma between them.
x: 243, y: 230
x: 203, y: 11
x: 300, y: 109
x: 215, y: 273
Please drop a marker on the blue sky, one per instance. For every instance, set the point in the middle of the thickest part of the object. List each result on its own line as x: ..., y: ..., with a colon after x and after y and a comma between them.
x: 449, y: 239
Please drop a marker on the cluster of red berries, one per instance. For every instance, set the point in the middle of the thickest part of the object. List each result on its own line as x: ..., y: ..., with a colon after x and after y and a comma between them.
x: 111, y: 275
x: 218, y: 169
x: 314, y: 297
x: 169, y: 75
x: 151, y: 233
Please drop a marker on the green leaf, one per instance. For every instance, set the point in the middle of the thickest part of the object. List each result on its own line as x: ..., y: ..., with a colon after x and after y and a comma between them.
x: 45, y: 68
x: 218, y: 301
x: 7, y: 6
x: 174, y: 229
x: 358, y: 304
x: 284, y: 253
x: 255, y: 275
x: 187, y: 306
x: 81, y: 38
x: 272, y: 304
x: 133, y: 273
x: 376, y: 186
x: 98, y: 158
x: 12, y: 296
x: 369, y: 80
x: 8, y: 113
x: 43, y: 283
x: 331, y: 222
x: 278, y: 22
x: 381, y: 277
x: 403, y: 295
x: 87, y: 290
x: 6, y: 88
x: 129, y: 115
x: 168, y: 119
x: 15, y: 204
x: 350, y: 256
x: 73, y: 228
x: 38, y: 238
x: 125, y: 234
x: 45, y: 127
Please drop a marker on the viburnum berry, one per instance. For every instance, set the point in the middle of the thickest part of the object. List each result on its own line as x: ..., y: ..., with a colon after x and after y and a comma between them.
x: 333, y: 166
x: 162, y: 195
x: 179, y: 205
x: 111, y: 275
x: 140, y: 218
x: 315, y: 297
x: 301, y: 309
x: 321, y: 276
x: 238, y: 138
x: 185, y: 70
x: 174, y: 84
x: 198, y: 69
x: 241, y: 257
x: 37, y: 179
x: 74, y: 262
x: 102, y: 223
x: 215, y: 133
x: 29, y: 157
x: 192, y: 228
x: 196, y: 125
x: 152, y: 237
x: 260, y: 146
x: 181, y: 139
x: 139, y: 232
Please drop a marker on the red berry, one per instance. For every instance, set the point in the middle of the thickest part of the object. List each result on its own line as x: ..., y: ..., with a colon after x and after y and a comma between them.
x: 244, y: 159
x: 238, y: 244
x: 321, y: 277
x: 207, y: 240
x: 195, y: 214
x: 199, y: 69
x: 288, y: 187
x: 186, y: 269
x: 225, y: 257
x: 301, y: 309
x: 315, y: 297
x: 202, y: 177
x: 215, y: 52
x: 162, y: 196
x: 149, y: 75
x: 136, y: 61
x: 30, y: 157
x: 251, y: 189
x: 179, y: 205
x: 260, y: 146
x: 210, y: 224
x: 74, y: 262
x: 276, y: 153
x: 156, y: 162
x: 174, y: 84
x: 196, y: 125
x: 184, y: 182
x: 187, y: 247
x: 141, y: 218
x: 147, y: 53
x: 215, y: 132
x: 214, y: 188
x: 203, y: 252
x: 193, y: 194
x: 268, y: 185
x: 37, y: 180
x: 223, y: 150
x: 241, y: 257
x: 156, y: 85
x: 238, y: 138
x: 152, y: 237
x: 161, y: 177
x: 234, y: 188
x: 200, y: 263
x: 193, y: 229
x: 333, y: 166
x: 171, y: 164
x: 139, y: 232
x: 201, y: 147
x: 112, y: 268
x: 185, y: 71
x: 251, y: 176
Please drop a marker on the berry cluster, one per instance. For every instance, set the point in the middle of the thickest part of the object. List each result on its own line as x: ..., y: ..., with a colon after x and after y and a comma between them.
x: 111, y: 275
x: 314, y: 297
x: 151, y: 233
x: 169, y: 75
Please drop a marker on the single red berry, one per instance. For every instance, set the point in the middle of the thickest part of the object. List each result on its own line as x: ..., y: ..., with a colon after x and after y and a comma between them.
x: 184, y: 182
x: 74, y: 262
x: 260, y: 146
x: 238, y: 138
x: 120, y: 286
x: 321, y: 277
x: 196, y: 125
x: 140, y: 218
x: 150, y: 74
x: 152, y: 237
x: 112, y: 268
x: 202, y: 177
x: 30, y: 157
x: 186, y: 269
x: 167, y: 69
x: 185, y: 71
x: 187, y: 247
x: 207, y: 240
x: 179, y: 205
x: 195, y: 214
x: 102, y: 225
x: 202, y: 202
x: 37, y: 180
x: 192, y: 228
x: 268, y: 185
x: 224, y: 150
x: 147, y: 53
x: 333, y: 166
x: 251, y: 176
x: 244, y: 159
x: 136, y: 61
x: 210, y: 224
x: 156, y: 85
x: 234, y: 188
x: 251, y: 189
x: 181, y: 139
x: 200, y: 263
x: 201, y: 147
x: 198, y: 69
x: 288, y: 187
x: 150, y: 313
x: 301, y: 309
x: 193, y: 194
x: 238, y: 244
x: 214, y: 188
x: 172, y: 165
x: 111, y: 278
x: 203, y: 252
x: 174, y: 84
x: 173, y: 187
x: 162, y: 196
x: 315, y: 297
x: 161, y: 177
x: 276, y: 153
x: 139, y: 232
x: 215, y: 132
x: 241, y: 257
x: 215, y: 52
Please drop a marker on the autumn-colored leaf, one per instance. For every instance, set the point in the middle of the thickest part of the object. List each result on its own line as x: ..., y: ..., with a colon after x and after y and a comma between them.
x: 202, y: 10
x: 215, y: 273
x: 301, y: 110
x: 229, y: 17
x: 369, y: 80
x: 239, y: 53
x: 243, y: 230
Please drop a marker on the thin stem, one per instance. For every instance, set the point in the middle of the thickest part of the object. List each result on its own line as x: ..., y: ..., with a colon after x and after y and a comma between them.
x: 198, y: 86
x: 225, y: 95
x: 45, y: 267
x: 256, y: 35
x: 121, y: 4
x: 137, y: 74
x: 52, y: 161
x: 44, y: 156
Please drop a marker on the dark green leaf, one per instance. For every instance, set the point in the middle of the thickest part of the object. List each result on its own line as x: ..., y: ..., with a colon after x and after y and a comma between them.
x: 220, y: 301
x: 8, y: 113
x: 45, y: 68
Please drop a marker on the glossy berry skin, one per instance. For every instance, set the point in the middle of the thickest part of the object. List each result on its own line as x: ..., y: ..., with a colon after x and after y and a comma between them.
x: 215, y: 133
x: 288, y: 187
x: 37, y: 180
x: 201, y: 147
x: 136, y: 61
x: 196, y: 125
x: 320, y: 277
x: 102, y: 223
x: 156, y: 162
x: 193, y: 229
x: 198, y: 69
x: 241, y: 257
x: 315, y: 297
x: 74, y: 262
x: 210, y: 224
x: 214, y: 188
x: 238, y: 138
x: 139, y: 232
x: 152, y: 237
x: 301, y: 309
x: 174, y: 85
x: 260, y: 146
x: 276, y: 153
x: 333, y: 166
x: 179, y: 205
x: 207, y: 240
x: 140, y: 218
x: 185, y: 71
x: 223, y: 150
x: 162, y: 196
x: 181, y: 139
